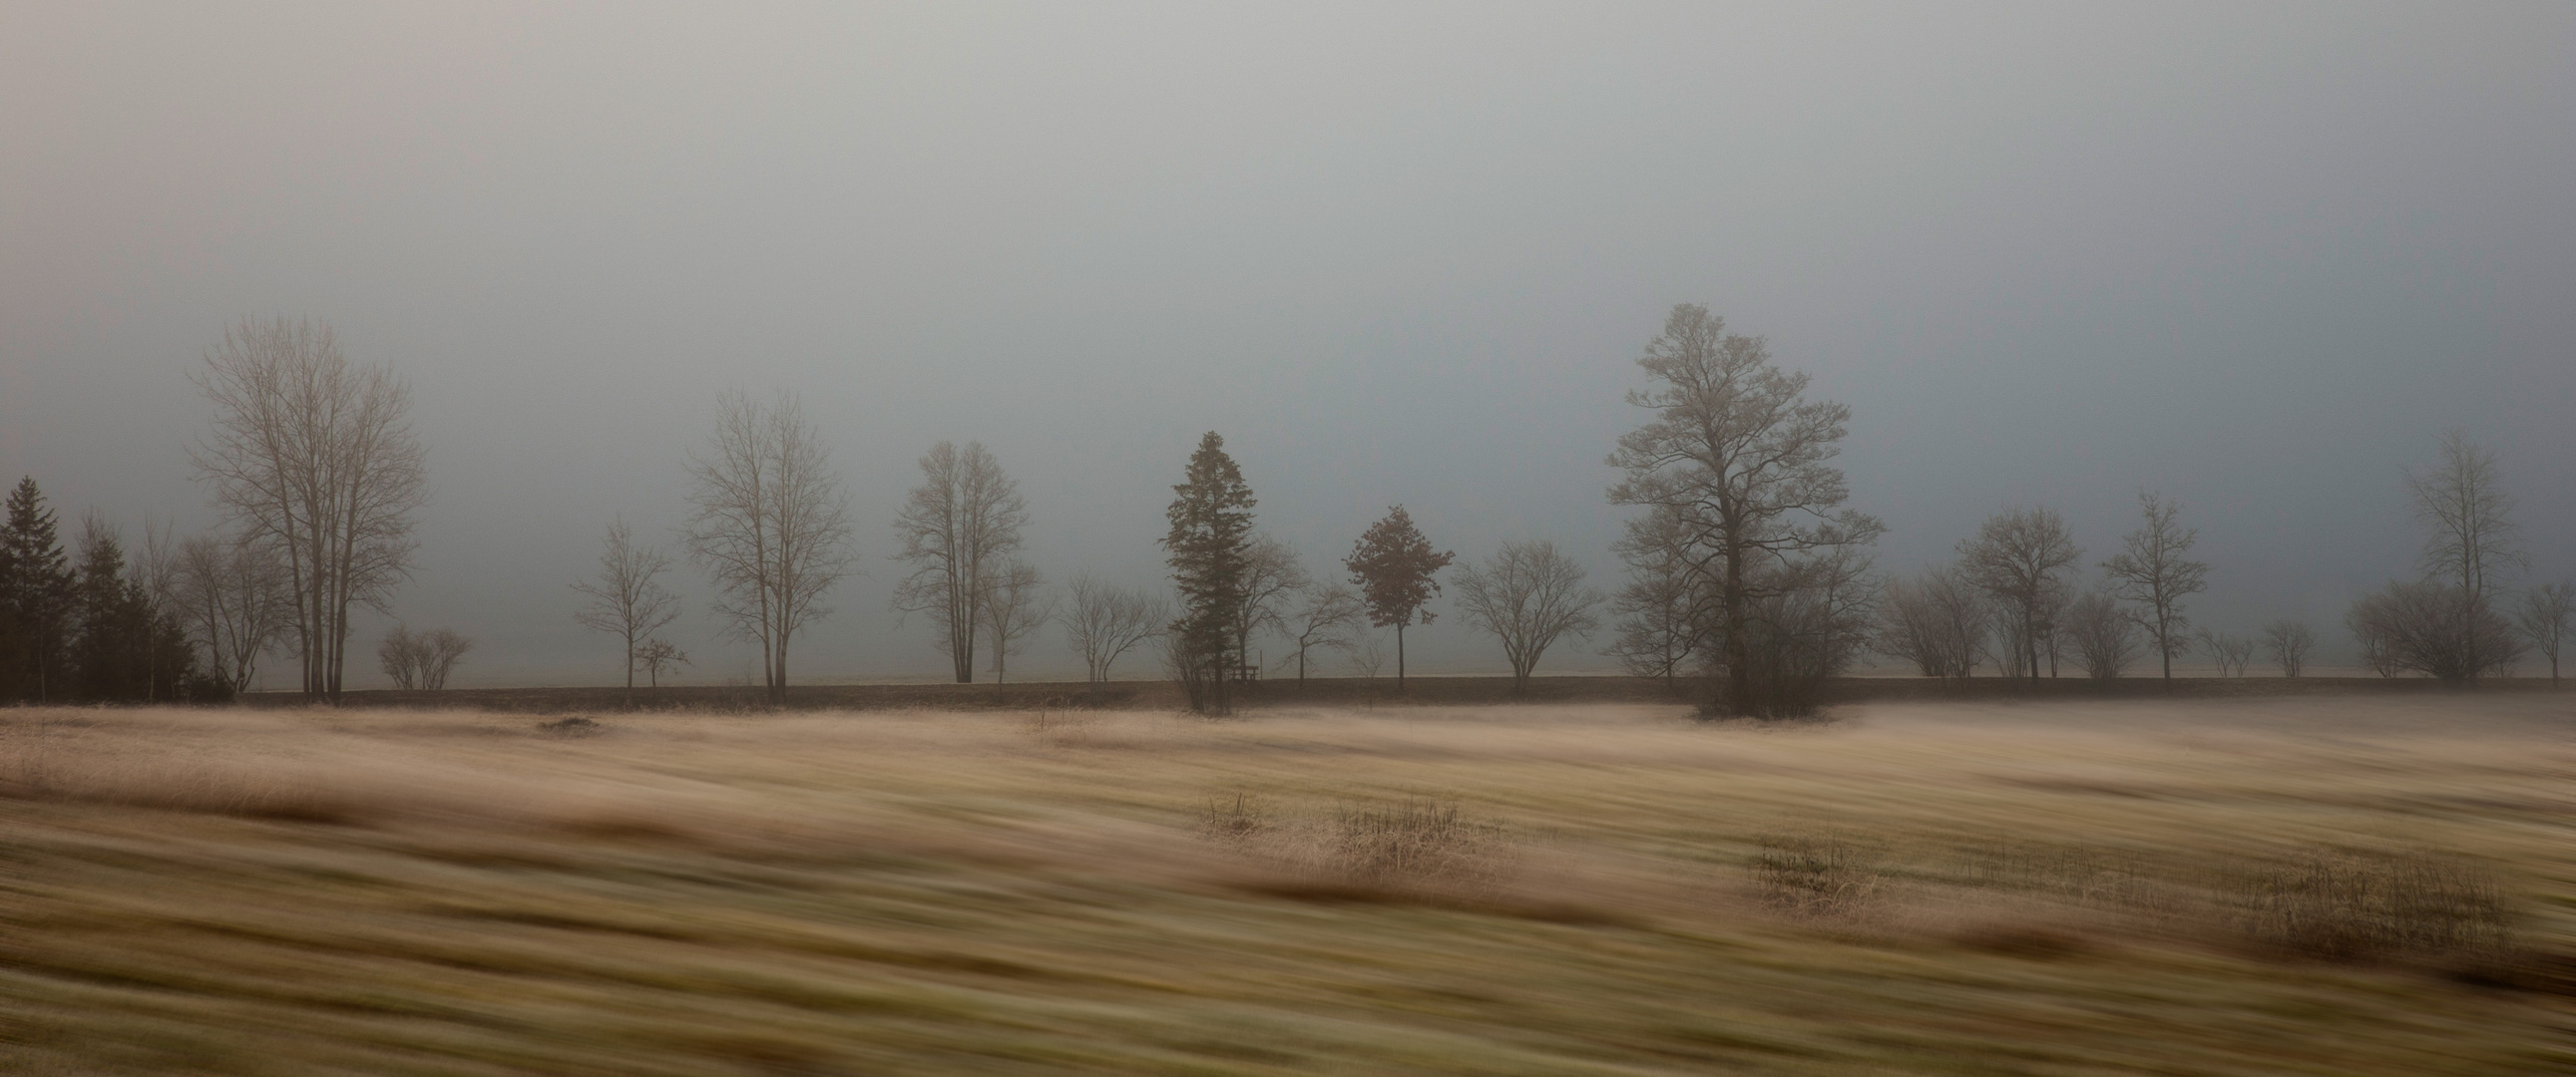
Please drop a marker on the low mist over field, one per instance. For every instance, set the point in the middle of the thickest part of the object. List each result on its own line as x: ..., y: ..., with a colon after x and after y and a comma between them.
x: 2255, y: 260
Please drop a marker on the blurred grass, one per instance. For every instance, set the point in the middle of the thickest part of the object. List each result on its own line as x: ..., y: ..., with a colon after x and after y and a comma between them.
x: 2119, y: 887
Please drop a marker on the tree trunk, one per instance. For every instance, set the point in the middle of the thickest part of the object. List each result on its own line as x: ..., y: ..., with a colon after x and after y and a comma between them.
x: 1399, y: 657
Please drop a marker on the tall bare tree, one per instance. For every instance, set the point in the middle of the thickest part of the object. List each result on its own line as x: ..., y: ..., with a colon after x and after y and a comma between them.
x: 1104, y: 622
x: 1742, y: 462
x: 235, y: 598
x: 1528, y: 594
x: 627, y: 599
x: 769, y: 523
x: 1014, y: 607
x: 2288, y: 643
x: 2020, y: 557
x: 957, y: 527
x: 1327, y: 616
x: 317, y: 456
x: 2543, y: 618
x: 2470, y: 540
x: 2154, y: 570
x: 1272, y: 578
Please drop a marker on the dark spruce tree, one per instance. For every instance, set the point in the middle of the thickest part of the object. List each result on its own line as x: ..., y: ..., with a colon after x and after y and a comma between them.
x: 125, y: 648
x: 1208, y: 549
x: 1393, y: 565
x: 37, y: 594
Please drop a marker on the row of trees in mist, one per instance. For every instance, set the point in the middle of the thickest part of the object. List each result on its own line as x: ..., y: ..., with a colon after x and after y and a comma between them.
x: 1747, y: 575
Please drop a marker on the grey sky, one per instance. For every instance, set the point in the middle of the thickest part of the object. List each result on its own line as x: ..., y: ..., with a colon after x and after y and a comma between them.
x: 2254, y: 256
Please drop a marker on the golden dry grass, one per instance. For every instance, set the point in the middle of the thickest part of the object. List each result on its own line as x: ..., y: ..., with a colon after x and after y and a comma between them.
x: 1963, y: 888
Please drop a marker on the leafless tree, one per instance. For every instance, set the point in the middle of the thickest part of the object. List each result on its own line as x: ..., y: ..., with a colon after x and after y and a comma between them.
x: 1014, y: 606
x: 2432, y: 628
x: 769, y: 523
x: 1369, y: 656
x: 440, y: 650
x: 2288, y: 643
x: 1528, y: 594
x: 1103, y: 622
x: 1939, y: 622
x: 2543, y: 618
x: 1272, y: 578
x: 659, y: 656
x: 2154, y: 570
x: 316, y: 456
x: 627, y: 599
x: 1741, y: 466
x: 2470, y: 542
x: 2019, y: 557
x: 2232, y: 653
x: 957, y: 528
x: 234, y: 597
x: 1328, y: 616
x: 2104, y: 635
x: 399, y: 655
x: 1661, y: 616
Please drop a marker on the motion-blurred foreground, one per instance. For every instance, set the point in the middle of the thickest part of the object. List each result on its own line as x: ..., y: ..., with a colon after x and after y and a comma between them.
x: 2347, y: 885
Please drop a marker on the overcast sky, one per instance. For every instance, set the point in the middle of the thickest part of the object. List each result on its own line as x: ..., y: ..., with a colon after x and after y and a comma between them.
x: 2252, y: 256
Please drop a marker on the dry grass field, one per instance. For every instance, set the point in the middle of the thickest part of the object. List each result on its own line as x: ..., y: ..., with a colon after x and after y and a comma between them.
x: 2317, y: 884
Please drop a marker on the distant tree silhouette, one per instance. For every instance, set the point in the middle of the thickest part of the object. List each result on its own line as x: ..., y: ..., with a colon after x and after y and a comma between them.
x: 2019, y: 557
x: 769, y: 523
x: 1738, y: 466
x: 957, y: 529
x: 38, y: 594
x: 1394, y: 568
x: 1528, y: 594
x: 316, y: 455
x: 1208, y: 548
x: 2288, y: 643
x: 2154, y: 570
x: 627, y: 599
x: 2543, y: 618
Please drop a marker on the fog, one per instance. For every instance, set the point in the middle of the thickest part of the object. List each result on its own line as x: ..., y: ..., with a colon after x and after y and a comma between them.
x: 2252, y: 258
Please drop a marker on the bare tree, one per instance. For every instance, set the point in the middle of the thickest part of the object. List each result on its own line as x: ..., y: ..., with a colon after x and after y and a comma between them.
x: 1272, y: 577
x: 2287, y: 643
x: 957, y: 527
x: 2019, y: 557
x: 1528, y: 594
x: 1743, y: 466
x: 2543, y: 618
x: 2154, y: 570
x: 2104, y: 635
x: 2470, y: 543
x: 1013, y: 607
x: 1103, y: 622
x: 1665, y: 610
x: 1939, y: 622
x: 627, y: 599
x: 2434, y: 629
x: 318, y: 457
x: 440, y: 649
x: 2232, y: 653
x: 770, y: 524
x: 1327, y: 616
x: 659, y: 656
x: 235, y: 598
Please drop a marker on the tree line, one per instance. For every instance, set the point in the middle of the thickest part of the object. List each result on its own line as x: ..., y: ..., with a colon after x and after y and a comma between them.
x: 1746, y: 573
